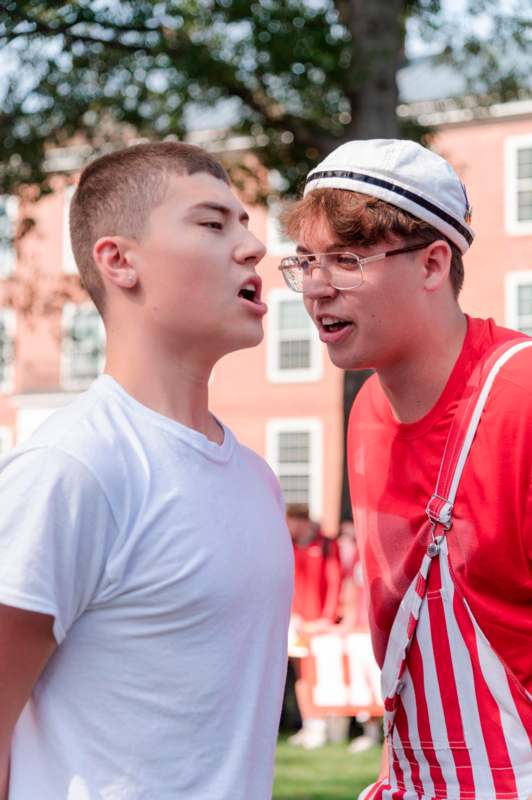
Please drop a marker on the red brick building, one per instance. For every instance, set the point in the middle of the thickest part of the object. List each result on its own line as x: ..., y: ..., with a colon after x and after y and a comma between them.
x: 283, y: 398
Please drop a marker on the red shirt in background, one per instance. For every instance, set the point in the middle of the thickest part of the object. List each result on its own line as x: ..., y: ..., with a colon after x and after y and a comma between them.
x: 393, y: 470
x: 317, y: 579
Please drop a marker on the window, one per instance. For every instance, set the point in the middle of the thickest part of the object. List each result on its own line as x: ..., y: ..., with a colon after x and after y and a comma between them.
x: 69, y: 264
x: 7, y: 347
x: 294, y: 350
x: 519, y: 301
x: 519, y: 184
x: 294, y: 451
x: 83, y: 345
x: 8, y: 222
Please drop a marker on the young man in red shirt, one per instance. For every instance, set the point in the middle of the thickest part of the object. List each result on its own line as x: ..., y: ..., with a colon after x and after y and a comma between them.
x: 440, y: 473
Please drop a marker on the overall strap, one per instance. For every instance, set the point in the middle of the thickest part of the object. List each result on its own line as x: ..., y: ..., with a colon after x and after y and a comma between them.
x: 463, y: 428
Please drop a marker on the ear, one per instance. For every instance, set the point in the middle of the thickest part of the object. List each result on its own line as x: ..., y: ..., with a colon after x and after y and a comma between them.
x: 437, y: 264
x: 114, y: 258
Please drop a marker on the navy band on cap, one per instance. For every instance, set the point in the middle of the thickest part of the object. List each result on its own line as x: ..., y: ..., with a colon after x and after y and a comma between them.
x: 392, y: 187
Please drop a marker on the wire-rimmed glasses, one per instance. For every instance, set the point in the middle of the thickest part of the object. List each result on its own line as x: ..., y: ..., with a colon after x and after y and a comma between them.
x: 343, y: 270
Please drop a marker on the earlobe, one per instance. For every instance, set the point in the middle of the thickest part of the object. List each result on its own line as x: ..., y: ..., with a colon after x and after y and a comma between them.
x: 113, y: 261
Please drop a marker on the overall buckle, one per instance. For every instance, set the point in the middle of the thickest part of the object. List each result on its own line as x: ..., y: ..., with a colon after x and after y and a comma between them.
x: 439, y: 510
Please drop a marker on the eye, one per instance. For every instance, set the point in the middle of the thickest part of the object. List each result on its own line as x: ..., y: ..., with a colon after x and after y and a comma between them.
x: 346, y: 260
x: 306, y: 261
x: 214, y: 225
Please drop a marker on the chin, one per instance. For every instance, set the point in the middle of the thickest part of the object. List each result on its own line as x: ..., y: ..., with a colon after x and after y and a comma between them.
x: 253, y: 341
x: 348, y: 361
x: 247, y: 339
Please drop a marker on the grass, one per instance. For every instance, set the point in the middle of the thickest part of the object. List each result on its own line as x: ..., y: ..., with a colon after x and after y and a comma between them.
x: 328, y: 773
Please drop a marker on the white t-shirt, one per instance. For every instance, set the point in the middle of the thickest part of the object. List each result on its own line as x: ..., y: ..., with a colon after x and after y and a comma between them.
x: 167, y: 566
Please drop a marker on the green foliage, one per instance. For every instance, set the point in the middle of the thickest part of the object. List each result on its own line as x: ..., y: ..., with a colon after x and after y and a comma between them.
x: 302, y: 75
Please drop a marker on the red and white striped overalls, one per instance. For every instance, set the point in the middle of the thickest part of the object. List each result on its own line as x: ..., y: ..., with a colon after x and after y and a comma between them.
x: 458, y: 723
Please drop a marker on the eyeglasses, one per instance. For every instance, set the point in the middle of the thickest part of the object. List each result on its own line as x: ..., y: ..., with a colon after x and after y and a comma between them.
x: 342, y: 270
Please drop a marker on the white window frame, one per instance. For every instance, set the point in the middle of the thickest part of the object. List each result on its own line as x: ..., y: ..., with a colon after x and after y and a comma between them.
x: 276, y: 243
x: 314, y: 427
x: 511, y: 146
x: 67, y: 381
x: 513, y: 280
x: 8, y: 256
x: 6, y: 439
x: 274, y: 373
x: 69, y: 262
x: 7, y: 382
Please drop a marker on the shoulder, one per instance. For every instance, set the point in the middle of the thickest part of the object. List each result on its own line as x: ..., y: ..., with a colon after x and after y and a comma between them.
x: 80, y: 429
x: 516, y: 373
x: 256, y: 464
x: 511, y: 390
x: 257, y: 475
x: 505, y: 427
x: 32, y: 477
x: 81, y: 444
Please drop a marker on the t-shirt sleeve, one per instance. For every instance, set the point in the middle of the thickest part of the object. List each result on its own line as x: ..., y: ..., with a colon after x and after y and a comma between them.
x: 56, y: 531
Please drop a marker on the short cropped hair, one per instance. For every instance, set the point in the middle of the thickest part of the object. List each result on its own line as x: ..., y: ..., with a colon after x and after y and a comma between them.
x: 359, y: 219
x: 117, y: 192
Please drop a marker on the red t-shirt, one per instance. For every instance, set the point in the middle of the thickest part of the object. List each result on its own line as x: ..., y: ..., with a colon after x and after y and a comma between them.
x: 393, y: 470
x: 317, y: 579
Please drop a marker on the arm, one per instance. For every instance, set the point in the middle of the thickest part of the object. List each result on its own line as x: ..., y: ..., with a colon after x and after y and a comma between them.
x: 333, y: 575
x: 26, y: 644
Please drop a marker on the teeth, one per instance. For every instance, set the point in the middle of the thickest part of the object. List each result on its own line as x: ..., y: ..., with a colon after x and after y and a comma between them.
x: 249, y: 287
x: 330, y: 320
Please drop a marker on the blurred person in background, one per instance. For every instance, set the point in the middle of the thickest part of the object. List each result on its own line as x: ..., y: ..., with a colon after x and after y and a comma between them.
x: 354, y: 618
x: 314, y: 608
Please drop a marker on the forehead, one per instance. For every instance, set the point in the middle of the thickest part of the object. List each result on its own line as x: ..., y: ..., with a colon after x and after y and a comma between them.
x: 186, y: 192
x: 316, y: 235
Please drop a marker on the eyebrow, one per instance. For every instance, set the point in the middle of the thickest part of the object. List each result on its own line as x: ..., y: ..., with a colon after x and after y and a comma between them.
x: 332, y: 248
x: 225, y: 210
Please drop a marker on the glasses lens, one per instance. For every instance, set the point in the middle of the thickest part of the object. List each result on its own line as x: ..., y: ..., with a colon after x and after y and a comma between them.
x: 345, y: 270
x: 293, y: 274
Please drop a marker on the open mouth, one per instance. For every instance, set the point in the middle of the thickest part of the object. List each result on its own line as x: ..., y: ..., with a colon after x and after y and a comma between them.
x: 249, y: 292
x: 332, y: 325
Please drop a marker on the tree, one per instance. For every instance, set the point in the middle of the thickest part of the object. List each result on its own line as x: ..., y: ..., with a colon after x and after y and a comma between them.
x: 302, y: 75
x: 296, y: 76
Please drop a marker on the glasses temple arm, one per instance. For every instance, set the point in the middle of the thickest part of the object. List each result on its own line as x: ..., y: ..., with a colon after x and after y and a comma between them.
x: 409, y: 249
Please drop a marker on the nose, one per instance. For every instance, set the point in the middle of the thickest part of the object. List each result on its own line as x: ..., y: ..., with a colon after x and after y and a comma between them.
x: 316, y: 285
x: 250, y: 250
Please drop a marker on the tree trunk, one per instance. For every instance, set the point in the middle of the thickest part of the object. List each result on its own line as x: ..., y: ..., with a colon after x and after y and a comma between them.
x: 378, y: 33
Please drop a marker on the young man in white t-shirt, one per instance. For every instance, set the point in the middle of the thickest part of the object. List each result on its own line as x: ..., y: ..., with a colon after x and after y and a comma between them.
x: 145, y: 565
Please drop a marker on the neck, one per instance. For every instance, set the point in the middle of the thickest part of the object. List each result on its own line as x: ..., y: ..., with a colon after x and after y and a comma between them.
x: 173, y: 384
x: 414, y: 385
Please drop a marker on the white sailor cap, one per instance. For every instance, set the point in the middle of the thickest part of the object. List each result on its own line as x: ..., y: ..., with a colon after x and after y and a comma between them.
x: 404, y: 174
